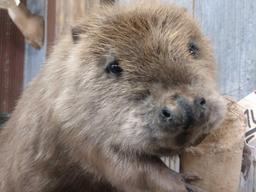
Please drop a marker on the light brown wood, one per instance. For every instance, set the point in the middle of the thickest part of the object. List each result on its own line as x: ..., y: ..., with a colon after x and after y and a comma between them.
x: 5, y: 4
x: 217, y: 160
x: 69, y: 12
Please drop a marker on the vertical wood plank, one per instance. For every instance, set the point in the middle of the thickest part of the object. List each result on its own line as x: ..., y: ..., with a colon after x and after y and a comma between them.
x: 50, y: 22
x: 11, y: 62
x: 184, y: 3
x: 231, y: 27
x: 188, y: 4
x: 68, y: 12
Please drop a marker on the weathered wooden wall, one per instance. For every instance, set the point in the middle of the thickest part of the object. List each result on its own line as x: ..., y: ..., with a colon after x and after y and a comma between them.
x: 11, y: 63
x: 231, y: 27
x: 67, y: 12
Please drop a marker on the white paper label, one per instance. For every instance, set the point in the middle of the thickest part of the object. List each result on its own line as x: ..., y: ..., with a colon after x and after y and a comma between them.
x: 249, y: 105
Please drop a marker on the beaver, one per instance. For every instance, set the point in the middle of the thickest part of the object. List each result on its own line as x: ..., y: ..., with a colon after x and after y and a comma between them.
x: 129, y: 84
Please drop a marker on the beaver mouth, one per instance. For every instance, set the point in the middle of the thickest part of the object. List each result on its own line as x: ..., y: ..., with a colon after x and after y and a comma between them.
x: 168, y: 142
x: 187, y: 139
x: 199, y: 139
x: 183, y: 118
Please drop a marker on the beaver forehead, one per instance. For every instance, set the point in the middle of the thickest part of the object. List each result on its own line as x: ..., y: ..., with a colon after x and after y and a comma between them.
x: 151, y: 44
x: 137, y: 29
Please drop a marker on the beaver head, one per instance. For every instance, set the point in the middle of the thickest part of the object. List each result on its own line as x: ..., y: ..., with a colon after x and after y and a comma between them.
x: 142, y: 79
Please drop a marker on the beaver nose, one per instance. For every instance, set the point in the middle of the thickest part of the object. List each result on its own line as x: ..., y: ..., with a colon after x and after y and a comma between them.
x: 200, y: 102
x: 166, y: 113
x: 184, y: 114
x: 180, y: 115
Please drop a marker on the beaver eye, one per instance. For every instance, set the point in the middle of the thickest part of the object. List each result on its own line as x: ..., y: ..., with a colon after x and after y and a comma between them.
x: 193, y: 49
x: 113, y: 67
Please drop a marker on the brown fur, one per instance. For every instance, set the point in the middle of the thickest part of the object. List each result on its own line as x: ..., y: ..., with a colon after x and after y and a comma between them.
x: 78, y: 128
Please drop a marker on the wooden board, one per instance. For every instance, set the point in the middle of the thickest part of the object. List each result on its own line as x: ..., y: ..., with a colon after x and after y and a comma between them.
x: 231, y: 27
x: 11, y: 62
x: 68, y: 12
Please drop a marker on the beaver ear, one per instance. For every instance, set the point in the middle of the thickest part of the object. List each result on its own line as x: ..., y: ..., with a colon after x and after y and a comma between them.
x: 76, y: 31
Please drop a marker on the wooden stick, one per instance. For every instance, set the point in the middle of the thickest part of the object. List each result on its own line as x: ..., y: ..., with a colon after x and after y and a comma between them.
x: 31, y: 25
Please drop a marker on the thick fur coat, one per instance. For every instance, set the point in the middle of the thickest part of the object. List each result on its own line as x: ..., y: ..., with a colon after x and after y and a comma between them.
x: 128, y: 85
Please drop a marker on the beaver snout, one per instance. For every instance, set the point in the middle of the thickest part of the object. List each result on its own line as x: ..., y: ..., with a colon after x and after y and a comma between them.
x: 185, y: 114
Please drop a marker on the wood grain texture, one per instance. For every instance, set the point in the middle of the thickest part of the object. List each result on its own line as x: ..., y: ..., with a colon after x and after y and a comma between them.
x: 50, y: 23
x: 188, y: 4
x: 68, y: 12
x: 231, y: 27
x: 11, y: 62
